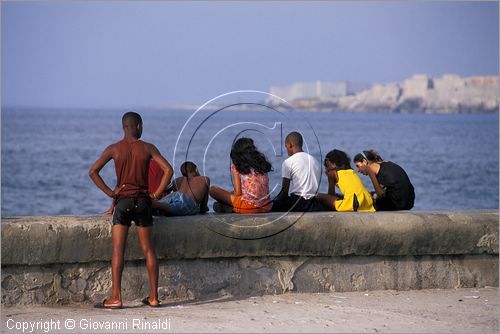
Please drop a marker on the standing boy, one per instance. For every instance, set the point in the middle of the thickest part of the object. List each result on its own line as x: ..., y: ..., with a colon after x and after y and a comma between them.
x: 133, y: 202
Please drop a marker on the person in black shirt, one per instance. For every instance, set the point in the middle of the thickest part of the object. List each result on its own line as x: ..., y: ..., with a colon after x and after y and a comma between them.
x: 393, y: 189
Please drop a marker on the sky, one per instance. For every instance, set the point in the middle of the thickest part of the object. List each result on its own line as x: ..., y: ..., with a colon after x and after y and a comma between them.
x: 113, y: 54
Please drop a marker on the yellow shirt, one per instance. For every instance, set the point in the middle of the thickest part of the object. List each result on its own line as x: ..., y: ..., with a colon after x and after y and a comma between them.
x: 350, y: 184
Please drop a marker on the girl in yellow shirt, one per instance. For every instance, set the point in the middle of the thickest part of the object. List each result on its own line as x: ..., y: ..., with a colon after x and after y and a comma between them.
x: 341, y: 175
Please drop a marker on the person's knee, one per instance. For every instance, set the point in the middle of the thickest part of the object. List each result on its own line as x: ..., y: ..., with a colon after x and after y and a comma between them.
x: 213, y: 189
x: 215, y: 192
x: 150, y: 253
x: 147, y: 250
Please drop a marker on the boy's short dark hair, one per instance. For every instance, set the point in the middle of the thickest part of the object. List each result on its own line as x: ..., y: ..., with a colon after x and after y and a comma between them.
x: 294, y: 138
x: 188, y: 167
x: 132, y: 118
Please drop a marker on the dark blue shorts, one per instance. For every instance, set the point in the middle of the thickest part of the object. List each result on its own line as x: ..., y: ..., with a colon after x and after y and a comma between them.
x: 138, y: 210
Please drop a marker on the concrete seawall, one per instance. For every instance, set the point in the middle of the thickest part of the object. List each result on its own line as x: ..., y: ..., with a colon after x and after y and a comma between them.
x: 57, y: 260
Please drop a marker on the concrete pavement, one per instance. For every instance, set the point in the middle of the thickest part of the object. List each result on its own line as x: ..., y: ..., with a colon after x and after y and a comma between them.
x: 439, y: 310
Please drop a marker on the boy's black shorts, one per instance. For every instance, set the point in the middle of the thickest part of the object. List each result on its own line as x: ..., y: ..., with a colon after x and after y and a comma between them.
x: 138, y: 210
x: 297, y: 203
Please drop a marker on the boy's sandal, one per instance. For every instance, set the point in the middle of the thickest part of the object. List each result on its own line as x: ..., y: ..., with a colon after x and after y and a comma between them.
x: 103, y: 305
x: 145, y: 301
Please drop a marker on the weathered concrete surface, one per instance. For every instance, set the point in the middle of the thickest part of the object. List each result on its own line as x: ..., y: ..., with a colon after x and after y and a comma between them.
x: 388, y: 311
x: 58, y: 260
x: 44, y: 240
x: 195, y: 279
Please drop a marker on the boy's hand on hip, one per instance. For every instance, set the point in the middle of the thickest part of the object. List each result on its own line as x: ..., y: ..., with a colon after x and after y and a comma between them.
x: 118, y: 190
x: 153, y: 197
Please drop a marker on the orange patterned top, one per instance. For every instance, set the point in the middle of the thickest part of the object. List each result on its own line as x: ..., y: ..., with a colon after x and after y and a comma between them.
x: 255, y: 188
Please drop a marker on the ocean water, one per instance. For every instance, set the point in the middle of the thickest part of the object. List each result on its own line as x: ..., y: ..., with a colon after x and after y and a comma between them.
x: 452, y: 160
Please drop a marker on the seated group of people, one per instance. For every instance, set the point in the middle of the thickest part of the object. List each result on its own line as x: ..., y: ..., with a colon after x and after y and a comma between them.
x: 188, y: 194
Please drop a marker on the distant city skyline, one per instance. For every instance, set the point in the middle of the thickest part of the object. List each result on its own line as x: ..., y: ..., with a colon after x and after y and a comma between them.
x: 112, y: 54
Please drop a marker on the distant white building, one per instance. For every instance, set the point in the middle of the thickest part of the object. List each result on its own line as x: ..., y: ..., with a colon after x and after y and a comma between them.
x: 417, y: 86
x: 314, y: 90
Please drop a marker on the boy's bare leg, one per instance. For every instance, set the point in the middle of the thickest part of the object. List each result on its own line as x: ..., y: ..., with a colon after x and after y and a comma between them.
x: 145, y: 241
x: 119, y: 239
x: 327, y: 200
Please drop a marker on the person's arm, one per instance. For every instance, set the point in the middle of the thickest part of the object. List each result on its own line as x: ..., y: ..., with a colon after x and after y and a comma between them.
x: 376, y: 185
x: 285, y: 186
x: 332, y: 181
x: 109, y: 212
x: 173, y: 186
x: 285, y: 181
x: 204, y: 201
x: 236, y: 180
x: 96, y: 168
x: 165, y: 166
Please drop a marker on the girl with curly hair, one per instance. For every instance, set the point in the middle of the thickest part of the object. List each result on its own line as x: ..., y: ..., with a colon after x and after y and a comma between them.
x: 249, y: 170
x: 354, y: 197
